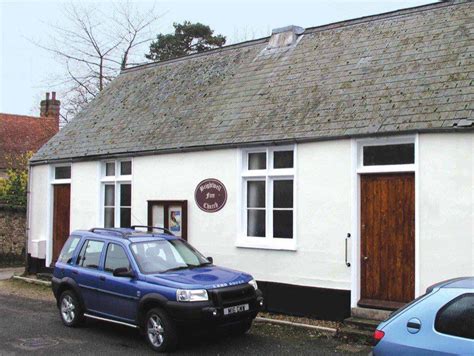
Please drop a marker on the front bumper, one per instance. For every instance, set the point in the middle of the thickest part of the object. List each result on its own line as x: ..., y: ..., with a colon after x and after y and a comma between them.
x: 211, y: 313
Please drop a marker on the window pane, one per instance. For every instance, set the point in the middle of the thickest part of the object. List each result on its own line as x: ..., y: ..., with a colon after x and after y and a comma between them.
x: 256, y: 194
x: 62, y: 172
x: 125, y: 217
x: 125, y: 168
x: 116, y: 258
x: 90, y: 256
x: 125, y: 195
x: 389, y: 154
x: 283, y: 159
x: 109, y: 217
x: 110, y: 169
x: 258, y: 160
x: 457, y: 317
x: 283, y: 224
x: 68, y: 249
x: 109, y: 195
x: 256, y: 223
x: 283, y: 194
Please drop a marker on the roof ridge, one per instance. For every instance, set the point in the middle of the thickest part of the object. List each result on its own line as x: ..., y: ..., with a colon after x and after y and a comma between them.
x: 2, y: 114
x: 329, y: 26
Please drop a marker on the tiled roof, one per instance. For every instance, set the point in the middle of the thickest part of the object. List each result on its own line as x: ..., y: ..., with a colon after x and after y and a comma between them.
x: 407, y: 71
x: 20, y: 134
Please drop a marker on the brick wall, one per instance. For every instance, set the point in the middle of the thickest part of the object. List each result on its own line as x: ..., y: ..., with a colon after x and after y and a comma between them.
x: 12, y: 236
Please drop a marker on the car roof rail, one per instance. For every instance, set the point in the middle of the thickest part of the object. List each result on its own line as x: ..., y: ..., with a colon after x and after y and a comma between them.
x: 150, y: 228
x: 104, y: 229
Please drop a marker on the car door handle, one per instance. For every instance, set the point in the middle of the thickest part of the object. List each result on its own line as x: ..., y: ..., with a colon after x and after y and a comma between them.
x: 74, y: 272
x: 102, y: 278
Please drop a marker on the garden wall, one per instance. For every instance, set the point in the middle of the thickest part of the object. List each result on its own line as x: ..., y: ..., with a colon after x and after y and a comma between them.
x: 12, y: 236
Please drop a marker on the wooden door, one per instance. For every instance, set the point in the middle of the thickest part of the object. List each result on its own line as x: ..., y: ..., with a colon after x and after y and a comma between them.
x: 387, y: 239
x: 61, y: 217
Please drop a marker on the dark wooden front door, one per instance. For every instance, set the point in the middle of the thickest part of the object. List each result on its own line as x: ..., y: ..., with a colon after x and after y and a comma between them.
x: 61, y: 217
x: 387, y: 239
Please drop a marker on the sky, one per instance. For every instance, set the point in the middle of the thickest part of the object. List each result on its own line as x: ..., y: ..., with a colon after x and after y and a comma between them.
x: 26, y: 70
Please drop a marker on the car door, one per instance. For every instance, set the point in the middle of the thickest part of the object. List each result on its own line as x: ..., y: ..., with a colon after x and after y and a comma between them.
x: 86, y: 273
x: 417, y: 330
x: 454, y: 323
x: 119, y: 294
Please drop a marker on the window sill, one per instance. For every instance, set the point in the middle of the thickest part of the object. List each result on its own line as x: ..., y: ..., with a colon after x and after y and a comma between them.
x: 274, y: 244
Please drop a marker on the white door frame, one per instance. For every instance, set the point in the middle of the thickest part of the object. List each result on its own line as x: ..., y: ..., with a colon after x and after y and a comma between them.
x: 357, y: 169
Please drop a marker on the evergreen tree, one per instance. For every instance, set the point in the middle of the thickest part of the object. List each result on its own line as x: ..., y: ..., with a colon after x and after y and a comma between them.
x: 187, y: 38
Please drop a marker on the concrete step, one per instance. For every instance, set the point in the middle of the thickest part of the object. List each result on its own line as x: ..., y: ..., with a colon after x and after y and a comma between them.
x: 362, y: 324
x: 355, y: 335
x: 371, y: 314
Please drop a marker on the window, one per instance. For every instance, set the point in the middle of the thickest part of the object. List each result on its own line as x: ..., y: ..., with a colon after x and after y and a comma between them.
x: 165, y: 255
x: 68, y: 249
x: 90, y: 254
x: 268, y: 196
x: 383, y: 155
x: 116, y: 258
x: 457, y: 317
x: 117, y: 193
x: 62, y: 172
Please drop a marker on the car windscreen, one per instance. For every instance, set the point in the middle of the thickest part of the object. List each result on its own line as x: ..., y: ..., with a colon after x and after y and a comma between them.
x: 166, y: 255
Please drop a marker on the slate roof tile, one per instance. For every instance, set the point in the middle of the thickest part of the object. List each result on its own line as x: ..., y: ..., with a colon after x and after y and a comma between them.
x: 410, y: 70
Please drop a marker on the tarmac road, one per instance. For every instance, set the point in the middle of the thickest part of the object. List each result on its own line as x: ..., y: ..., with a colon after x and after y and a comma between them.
x: 33, y: 326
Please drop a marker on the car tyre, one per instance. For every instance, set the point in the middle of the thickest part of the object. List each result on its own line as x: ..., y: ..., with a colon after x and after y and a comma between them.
x: 70, y: 309
x: 160, y: 331
x: 242, y: 328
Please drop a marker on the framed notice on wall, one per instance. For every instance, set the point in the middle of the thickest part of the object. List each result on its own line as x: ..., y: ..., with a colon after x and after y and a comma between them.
x: 169, y: 214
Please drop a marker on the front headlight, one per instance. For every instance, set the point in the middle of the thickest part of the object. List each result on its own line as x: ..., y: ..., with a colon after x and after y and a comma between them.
x: 253, y: 283
x: 191, y: 295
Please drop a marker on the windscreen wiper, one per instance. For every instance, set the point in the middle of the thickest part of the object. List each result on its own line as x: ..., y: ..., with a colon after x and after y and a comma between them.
x: 175, y: 269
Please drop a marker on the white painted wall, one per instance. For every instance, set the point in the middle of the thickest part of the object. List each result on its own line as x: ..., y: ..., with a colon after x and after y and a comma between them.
x: 323, y: 211
x: 39, y: 213
x: 446, y: 174
x: 85, y: 195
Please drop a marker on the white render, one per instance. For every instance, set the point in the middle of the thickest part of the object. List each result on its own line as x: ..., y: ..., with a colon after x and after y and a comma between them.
x: 446, y: 184
x: 324, y: 209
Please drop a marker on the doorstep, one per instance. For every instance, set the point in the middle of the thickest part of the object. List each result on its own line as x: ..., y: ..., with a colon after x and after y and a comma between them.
x: 361, y: 325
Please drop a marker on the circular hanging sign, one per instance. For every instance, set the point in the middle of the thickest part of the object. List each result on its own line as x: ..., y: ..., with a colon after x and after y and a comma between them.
x: 210, y: 195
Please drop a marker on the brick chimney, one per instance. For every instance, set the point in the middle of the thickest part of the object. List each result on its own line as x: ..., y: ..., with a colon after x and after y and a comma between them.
x: 50, y: 108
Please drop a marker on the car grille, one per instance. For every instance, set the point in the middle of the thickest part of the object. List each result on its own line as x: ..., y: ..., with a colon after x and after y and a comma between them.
x: 229, y: 296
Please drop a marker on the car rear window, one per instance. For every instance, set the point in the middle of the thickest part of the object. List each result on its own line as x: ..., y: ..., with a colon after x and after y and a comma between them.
x: 68, y: 249
x: 456, y: 318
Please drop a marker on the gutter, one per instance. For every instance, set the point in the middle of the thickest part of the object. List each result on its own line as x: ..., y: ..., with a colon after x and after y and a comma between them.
x: 182, y: 149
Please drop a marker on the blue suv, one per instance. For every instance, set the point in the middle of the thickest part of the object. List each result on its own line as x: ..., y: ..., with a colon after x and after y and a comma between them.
x: 150, y: 280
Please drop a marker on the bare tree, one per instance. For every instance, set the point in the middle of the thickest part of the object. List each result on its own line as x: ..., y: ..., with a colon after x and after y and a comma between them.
x: 94, y: 46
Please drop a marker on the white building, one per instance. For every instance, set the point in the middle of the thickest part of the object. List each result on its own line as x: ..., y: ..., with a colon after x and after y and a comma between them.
x: 346, y: 153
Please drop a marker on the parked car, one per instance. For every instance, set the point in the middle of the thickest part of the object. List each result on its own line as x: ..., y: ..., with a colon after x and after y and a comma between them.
x: 439, y: 322
x: 153, y: 281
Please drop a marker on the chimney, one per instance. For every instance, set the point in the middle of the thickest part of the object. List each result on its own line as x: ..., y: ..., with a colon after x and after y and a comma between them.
x: 284, y: 36
x: 49, y: 108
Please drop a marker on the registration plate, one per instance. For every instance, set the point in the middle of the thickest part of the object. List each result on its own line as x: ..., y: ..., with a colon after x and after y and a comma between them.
x: 236, y: 309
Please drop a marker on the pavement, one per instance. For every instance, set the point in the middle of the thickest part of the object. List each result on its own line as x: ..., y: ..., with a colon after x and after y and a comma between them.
x: 34, y: 326
x: 7, y: 273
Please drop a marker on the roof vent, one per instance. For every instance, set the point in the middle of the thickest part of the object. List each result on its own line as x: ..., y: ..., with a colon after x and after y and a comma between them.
x: 284, y: 36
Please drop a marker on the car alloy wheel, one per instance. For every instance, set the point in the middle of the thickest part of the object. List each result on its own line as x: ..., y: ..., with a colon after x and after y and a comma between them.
x: 68, y: 309
x: 155, y: 330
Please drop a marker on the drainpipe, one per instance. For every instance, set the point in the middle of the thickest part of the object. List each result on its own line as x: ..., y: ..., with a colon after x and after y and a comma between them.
x: 27, y: 227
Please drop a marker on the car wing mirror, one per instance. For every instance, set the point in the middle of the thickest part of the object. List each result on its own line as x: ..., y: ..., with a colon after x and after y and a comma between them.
x: 210, y: 259
x: 123, y: 272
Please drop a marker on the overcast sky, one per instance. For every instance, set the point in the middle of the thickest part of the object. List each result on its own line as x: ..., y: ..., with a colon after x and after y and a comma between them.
x: 25, y: 68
